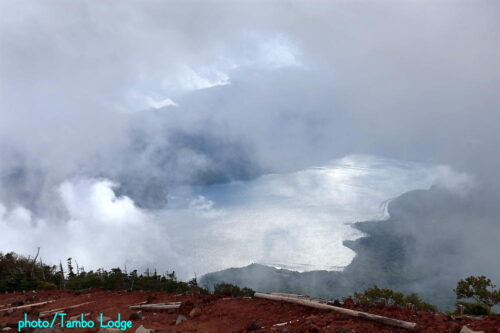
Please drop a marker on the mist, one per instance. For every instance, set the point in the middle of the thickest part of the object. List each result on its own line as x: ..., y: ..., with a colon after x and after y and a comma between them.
x: 130, y: 128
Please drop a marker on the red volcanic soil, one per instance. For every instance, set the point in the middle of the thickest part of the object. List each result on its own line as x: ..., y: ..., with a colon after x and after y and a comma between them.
x: 219, y: 315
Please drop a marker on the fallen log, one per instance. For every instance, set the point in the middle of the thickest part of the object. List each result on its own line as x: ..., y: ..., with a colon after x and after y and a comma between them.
x: 285, y: 323
x: 348, y: 312
x: 59, y: 310
x: 26, y: 306
x: 309, y: 298
x: 157, y: 306
x: 465, y: 329
x: 78, y: 316
x: 288, y: 295
x: 471, y: 317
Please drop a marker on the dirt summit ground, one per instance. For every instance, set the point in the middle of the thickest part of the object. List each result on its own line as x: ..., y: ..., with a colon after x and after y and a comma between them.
x: 217, y: 314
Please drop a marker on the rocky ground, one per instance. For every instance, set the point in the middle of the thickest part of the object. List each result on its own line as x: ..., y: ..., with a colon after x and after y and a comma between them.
x: 209, y: 313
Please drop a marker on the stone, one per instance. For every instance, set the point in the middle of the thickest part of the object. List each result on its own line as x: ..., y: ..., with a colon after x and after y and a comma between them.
x: 48, y: 330
x: 465, y: 329
x: 109, y: 330
x: 142, y: 329
x: 180, y: 319
x: 195, y: 312
x: 311, y: 319
x: 104, y: 319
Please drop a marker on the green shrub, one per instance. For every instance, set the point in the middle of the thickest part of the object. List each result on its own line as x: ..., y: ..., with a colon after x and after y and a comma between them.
x: 230, y: 290
x: 375, y: 293
x: 480, y: 289
x: 44, y: 285
x: 476, y: 309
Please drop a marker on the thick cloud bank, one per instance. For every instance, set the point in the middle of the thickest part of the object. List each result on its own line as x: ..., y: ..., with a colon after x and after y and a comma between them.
x: 296, y: 220
x: 165, y: 133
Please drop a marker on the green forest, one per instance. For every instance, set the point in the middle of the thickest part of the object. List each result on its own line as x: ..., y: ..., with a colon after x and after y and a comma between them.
x: 20, y: 273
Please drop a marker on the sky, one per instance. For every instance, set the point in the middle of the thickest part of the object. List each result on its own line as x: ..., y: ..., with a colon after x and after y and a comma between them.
x: 122, y: 122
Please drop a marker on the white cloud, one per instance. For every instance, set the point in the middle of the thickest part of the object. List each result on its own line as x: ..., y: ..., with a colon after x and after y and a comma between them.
x: 190, y: 79
x: 159, y: 104
x: 458, y: 182
x: 278, y: 52
x: 95, y: 202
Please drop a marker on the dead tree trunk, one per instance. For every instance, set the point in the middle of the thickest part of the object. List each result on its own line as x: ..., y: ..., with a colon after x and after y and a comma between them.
x: 159, y: 306
x: 43, y: 270
x: 51, y: 312
x: 34, y: 263
x: 26, y: 306
x: 348, y: 312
